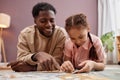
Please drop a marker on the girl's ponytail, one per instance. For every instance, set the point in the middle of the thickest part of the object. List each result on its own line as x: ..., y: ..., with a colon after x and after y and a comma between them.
x: 92, y: 52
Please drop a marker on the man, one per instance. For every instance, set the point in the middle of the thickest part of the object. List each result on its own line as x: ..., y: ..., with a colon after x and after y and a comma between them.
x: 40, y: 46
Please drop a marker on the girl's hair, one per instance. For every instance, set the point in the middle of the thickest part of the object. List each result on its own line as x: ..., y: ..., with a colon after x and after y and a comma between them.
x: 92, y: 52
x: 78, y: 21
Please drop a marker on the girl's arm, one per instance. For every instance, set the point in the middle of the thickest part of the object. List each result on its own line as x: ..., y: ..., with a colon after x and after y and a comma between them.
x: 90, y: 65
x: 99, y: 65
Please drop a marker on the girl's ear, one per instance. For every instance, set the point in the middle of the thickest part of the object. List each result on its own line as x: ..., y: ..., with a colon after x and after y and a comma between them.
x: 88, y: 28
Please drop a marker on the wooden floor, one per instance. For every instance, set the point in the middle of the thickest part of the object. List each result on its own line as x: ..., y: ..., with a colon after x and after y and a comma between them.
x: 111, y: 72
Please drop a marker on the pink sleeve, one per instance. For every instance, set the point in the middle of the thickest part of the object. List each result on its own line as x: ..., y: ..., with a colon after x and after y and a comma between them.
x: 100, y: 50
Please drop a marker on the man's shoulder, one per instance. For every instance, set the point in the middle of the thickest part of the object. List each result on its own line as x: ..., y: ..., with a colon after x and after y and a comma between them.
x: 61, y: 30
x: 58, y: 28
x: 28, y: 29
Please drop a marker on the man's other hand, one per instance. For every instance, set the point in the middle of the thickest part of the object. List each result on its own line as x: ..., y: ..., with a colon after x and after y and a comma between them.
x: 21, y: 66
x: 47, y: 62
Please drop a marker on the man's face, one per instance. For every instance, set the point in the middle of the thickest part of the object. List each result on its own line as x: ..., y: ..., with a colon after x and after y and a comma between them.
x: 45, y: 22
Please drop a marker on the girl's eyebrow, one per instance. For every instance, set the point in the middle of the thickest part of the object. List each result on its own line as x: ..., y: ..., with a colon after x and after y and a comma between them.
x: 72, y: 38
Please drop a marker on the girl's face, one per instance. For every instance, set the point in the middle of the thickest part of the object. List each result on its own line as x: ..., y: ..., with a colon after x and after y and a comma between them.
x: 78, y: 35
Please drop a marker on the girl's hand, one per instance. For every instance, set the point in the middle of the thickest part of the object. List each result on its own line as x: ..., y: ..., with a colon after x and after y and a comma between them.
x: 67, y: 67
x: 87, y: 66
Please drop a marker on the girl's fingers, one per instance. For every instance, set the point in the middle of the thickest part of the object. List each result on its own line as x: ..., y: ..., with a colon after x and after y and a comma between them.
x: 62, y: 69
x: 82, y: 64
x: 70, y: 66
x: 67, y: 66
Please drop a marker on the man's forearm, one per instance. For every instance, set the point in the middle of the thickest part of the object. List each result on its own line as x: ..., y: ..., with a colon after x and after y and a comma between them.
x: 33, y: 67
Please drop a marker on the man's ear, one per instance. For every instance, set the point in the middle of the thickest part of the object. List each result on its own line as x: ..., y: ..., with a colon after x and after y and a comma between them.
x: 34, y: 21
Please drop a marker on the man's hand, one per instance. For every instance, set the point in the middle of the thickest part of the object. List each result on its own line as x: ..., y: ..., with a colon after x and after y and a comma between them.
x: 47, y: 62
x: 67, y: 67
x: 20, y: 66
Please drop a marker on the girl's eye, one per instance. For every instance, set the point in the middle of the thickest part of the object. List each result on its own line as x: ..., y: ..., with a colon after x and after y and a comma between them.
x: 81, y: 37
x: 72, y: 39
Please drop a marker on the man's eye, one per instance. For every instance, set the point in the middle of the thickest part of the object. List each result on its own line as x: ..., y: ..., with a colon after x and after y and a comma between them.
x: 43, y: 21
x: 52, y: 20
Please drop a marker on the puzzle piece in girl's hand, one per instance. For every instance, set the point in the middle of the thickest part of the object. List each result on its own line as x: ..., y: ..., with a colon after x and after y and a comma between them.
x: 76, y: 71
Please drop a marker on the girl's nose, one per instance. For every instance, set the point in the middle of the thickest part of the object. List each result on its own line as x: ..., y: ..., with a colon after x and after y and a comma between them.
x: 78, y: 41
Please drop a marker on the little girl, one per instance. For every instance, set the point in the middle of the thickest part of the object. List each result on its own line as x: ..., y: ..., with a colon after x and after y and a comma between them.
x: 83, y: 50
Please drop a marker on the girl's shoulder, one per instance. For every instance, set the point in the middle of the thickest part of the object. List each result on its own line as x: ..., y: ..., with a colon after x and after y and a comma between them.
x: 96, y: 40
x: 94, y: 37
x: 68, y: 43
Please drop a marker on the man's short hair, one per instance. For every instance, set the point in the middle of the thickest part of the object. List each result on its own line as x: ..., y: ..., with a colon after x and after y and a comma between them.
x: 43, y: 6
